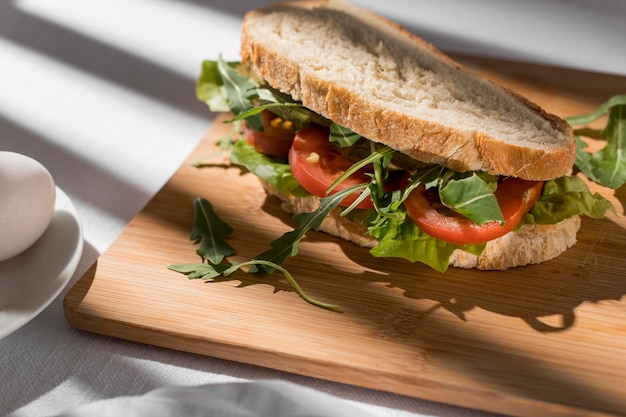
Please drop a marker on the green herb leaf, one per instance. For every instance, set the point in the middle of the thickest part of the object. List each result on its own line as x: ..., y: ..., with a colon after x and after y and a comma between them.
x: 607, y: 166
x: 582, y: 120
x: 211, y: 230
x: 472, y: 197
x: 566, y: 197
x: 610, y: 161
x: 429, y: 175
x: 204, y: 271
x: 342, y: 136
x: 239, y: 89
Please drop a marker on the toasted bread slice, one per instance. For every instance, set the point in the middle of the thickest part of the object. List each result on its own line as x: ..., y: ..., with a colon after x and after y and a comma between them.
x: 376, y: 78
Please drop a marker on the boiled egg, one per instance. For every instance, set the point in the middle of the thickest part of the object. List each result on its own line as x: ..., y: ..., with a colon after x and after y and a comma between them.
x: 27, y: 197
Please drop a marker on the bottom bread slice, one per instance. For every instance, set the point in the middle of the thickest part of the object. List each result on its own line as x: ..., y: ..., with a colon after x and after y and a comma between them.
x: 531, y: 244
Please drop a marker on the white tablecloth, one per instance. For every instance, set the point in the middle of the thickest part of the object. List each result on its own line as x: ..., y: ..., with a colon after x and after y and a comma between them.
x: 102, y: 93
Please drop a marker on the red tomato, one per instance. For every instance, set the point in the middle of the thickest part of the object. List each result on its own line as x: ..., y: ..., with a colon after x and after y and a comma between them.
x: 515, y: 197
x: 276, y: 138
x: 316, y: 164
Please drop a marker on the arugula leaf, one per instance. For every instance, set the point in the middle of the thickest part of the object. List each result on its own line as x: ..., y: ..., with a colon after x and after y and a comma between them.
x: 610, y: 161
x: 469, y: 193
x: 239, y: 88
x: 430, y: 175
x: 566, y: 197
x: 210, y: 230
x: 223, y: 89
x: 293, y: 110
x: 607, y: 166
x: 342, y: 136
x: 582, y: 120
x: 472, y: 197
x: 287, y: 245
x: 275, y: 172
x: 205, y: 271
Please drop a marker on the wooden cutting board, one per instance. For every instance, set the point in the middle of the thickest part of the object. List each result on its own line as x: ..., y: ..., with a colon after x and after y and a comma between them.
x: 545, y: 340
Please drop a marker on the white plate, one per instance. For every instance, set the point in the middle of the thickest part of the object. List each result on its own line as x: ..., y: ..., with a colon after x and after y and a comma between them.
x: 31, y: 280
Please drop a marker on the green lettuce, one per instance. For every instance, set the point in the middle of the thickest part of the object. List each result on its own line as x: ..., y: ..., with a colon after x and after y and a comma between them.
x: 210, y: 87
x: 273, y: 170
x: 399, y: 237
x: 567, y: 197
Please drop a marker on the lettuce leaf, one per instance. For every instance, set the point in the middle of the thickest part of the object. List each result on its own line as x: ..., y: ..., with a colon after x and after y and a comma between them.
x: 276, y: 172
x: 210, y: 87
x: 567, y: 197
x: 399, y: 237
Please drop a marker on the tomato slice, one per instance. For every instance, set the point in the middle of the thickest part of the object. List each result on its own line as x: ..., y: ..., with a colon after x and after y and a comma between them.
x: 276, y: 138
x: 316, y: 165
x: 515, y: 197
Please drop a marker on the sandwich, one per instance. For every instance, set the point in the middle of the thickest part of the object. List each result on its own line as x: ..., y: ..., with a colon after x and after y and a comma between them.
x: 396, y: 146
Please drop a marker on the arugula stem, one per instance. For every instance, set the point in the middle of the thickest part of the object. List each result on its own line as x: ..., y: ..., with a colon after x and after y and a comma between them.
x: 378, y: 172
x: 375, y: 156
x: 289, y: 277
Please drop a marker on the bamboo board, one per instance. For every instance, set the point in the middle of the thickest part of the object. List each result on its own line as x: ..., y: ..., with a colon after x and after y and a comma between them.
x: 546, y: 340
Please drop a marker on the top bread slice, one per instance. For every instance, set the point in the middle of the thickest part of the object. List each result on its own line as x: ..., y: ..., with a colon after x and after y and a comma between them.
x: 368, y: 74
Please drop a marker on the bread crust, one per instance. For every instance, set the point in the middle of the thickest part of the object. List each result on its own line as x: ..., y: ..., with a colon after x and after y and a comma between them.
x: 532, y: 244
x: 461, y: 149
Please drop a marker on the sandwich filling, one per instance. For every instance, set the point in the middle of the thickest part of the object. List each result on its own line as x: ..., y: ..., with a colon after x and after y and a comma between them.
x: 417, y: 211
